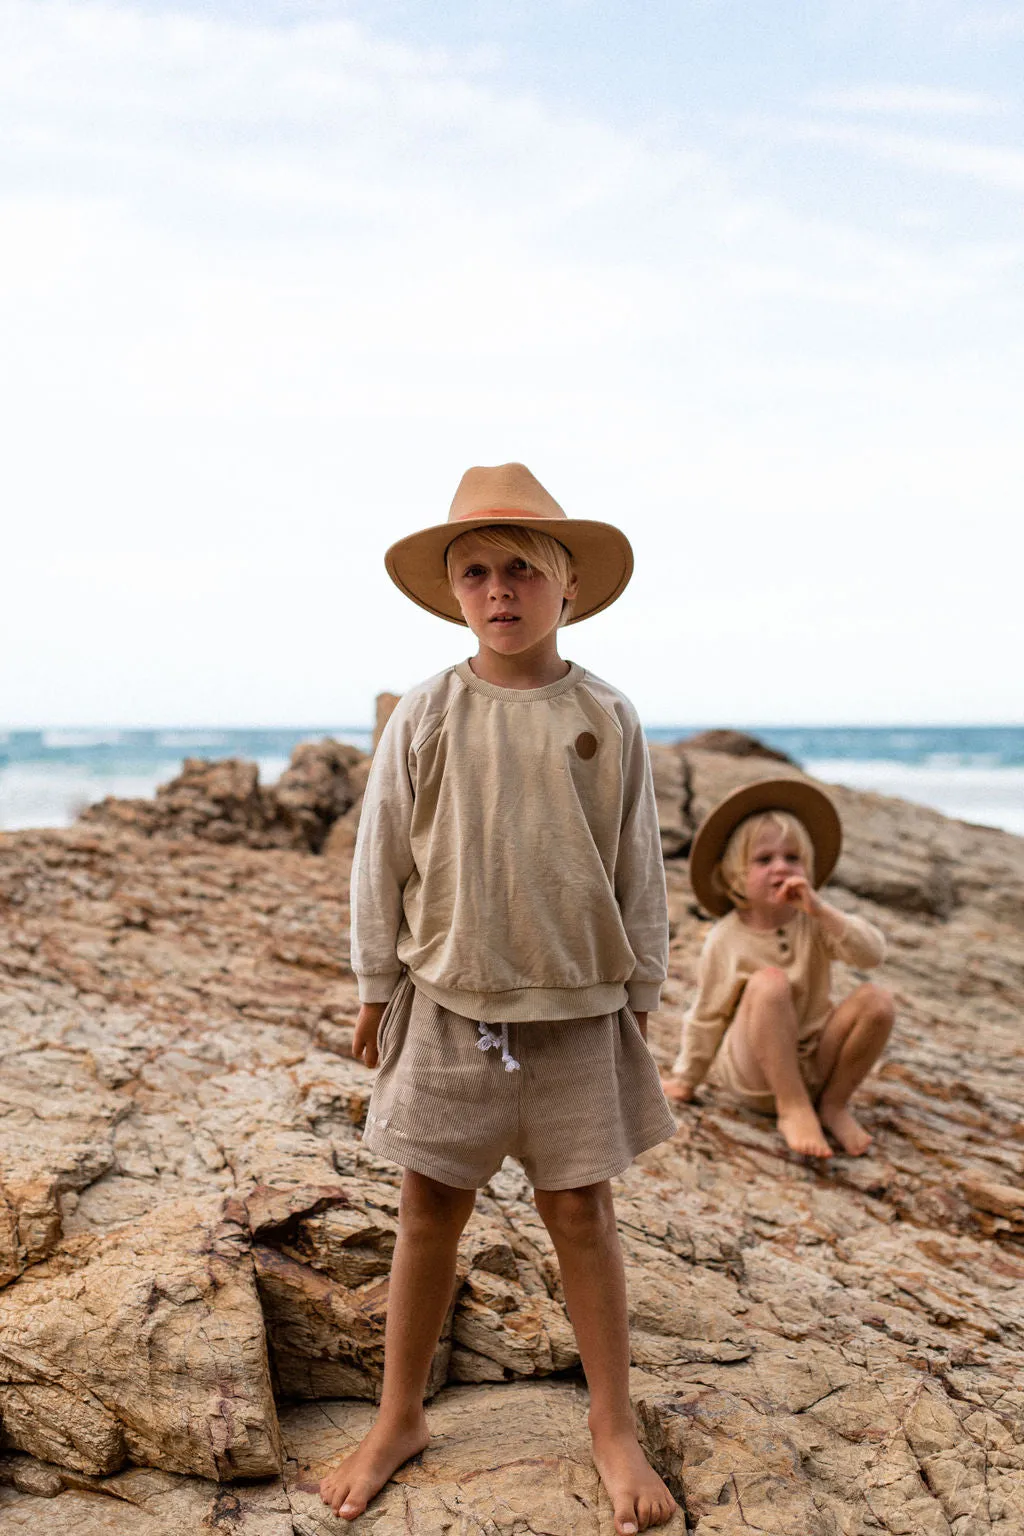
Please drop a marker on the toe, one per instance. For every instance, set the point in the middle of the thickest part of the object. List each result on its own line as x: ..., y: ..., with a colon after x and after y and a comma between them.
x: 625, y: 1520
x: 643, y: 1513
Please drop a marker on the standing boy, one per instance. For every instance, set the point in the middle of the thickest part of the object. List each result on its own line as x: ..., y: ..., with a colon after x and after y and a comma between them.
x: 510, y: 934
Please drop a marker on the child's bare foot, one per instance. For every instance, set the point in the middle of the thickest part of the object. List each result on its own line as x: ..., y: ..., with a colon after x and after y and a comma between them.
x: 802, y: 1131
x: 849, y: 1133
x: 350, y: 1486
x: 639, y: 1497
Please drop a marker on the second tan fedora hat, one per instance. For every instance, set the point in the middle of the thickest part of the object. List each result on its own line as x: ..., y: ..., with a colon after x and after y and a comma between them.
x: 509, y: 495
x: 800, y: 797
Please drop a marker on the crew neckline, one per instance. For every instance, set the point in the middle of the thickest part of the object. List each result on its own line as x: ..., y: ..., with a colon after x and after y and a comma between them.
x: 520, y: 695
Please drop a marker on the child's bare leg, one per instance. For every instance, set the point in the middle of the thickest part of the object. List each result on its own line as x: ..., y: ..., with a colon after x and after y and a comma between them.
x: 431, y: 1218
x: 764, y: 1047
x: 854, y: 1039
x: 582, y: 1227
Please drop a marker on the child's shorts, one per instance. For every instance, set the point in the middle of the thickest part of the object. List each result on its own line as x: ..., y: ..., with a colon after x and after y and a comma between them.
x: 725, y: 1072
x: 585, y: 1100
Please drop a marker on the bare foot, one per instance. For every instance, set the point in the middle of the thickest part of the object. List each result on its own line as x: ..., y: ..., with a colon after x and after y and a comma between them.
x: 350, y: 1486
x: 803, y: 1133
x: 676, y: 1090
x: 639, y: 1497
x: 849, y: 1133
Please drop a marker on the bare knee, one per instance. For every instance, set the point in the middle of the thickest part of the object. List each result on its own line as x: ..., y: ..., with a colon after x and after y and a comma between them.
x: 581, y: 1217
x: 427, y: 1208
x: 767, y: 987
x: 876, y: 1006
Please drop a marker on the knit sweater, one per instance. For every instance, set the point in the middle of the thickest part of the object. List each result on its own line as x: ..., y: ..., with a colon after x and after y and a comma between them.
x: 733, y: 952
x: 509, y: 855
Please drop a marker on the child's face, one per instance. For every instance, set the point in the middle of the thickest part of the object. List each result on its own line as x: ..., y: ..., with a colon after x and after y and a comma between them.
x: 508, y: 605
x: 774, y: 859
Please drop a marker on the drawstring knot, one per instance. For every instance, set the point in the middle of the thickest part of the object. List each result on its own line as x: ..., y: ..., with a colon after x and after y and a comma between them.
x: 500, y: 1043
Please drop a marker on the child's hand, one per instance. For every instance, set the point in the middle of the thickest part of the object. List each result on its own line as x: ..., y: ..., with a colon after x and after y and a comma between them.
x: 364, y: 1040
x: 675, y: 1089
x: 799, y: 892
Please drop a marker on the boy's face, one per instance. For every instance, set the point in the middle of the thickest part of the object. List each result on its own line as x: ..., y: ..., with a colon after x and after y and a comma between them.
x: 774, y: 859
x: 509, y: 606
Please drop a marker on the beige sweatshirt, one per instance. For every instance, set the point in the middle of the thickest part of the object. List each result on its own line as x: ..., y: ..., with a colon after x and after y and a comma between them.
x: 733, y: 952
x: 509, y: 855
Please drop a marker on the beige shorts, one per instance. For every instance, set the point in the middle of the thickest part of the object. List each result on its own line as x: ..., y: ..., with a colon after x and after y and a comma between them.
x: 583, y: 1102
x: 726, y: 1073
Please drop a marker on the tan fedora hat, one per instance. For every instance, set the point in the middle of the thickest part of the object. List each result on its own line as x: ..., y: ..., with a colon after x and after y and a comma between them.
x: 508, y: 495
x: 803, y: 799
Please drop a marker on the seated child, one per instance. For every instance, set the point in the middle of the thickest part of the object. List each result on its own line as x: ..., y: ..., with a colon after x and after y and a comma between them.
x: 763, y: 1023
x: 509, y: 935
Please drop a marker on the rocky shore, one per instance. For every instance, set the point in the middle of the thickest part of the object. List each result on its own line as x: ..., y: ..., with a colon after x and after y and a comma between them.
x: 194, y: 1247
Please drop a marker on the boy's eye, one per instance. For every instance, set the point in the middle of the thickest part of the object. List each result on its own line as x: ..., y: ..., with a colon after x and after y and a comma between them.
x: 473, y: 570
x: 762, y: 858
x: 519, y: 566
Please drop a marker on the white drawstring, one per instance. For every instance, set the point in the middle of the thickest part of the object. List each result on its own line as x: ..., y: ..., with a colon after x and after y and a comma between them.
x: 500, y: 1042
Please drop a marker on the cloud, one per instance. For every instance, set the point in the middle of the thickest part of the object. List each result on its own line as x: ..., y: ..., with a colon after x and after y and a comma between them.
x: 990, y: 165
x: 907, y: 101
x: 266, y: 290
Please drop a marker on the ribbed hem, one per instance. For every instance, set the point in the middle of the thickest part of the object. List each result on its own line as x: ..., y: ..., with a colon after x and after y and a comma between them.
x: 378, y: 989
x: 574, y: 676
x: 527, y: 1005
x: 644, y: 996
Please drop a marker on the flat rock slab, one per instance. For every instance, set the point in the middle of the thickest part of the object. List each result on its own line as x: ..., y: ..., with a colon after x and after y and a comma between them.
x: 512, y: 1459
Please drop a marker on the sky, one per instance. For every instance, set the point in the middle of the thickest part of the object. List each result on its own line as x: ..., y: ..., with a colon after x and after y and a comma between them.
x: 745, y: 280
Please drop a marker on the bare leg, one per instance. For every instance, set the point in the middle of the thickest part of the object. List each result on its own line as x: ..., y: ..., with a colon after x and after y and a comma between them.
x: 431, y: 1218
x: 582, y: 1227
x: 763, y: 1041
x: 854, y: 1039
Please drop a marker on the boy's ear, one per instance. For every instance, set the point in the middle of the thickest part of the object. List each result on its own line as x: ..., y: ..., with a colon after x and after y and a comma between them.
x: 573, y: 589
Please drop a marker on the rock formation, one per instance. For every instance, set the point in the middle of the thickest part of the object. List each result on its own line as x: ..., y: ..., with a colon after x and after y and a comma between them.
x: 194, y: 1246
x: 730, y: 743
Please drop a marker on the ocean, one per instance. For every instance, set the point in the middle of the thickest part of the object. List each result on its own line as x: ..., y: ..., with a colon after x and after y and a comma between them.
x: 972, y: 772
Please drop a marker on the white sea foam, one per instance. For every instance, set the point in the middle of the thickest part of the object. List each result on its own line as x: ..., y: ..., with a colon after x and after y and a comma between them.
x: 54, y: 794
x: 62, y: 740
x: 989, y: 797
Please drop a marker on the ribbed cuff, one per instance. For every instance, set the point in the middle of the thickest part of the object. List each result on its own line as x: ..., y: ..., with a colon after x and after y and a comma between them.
x: 378, y: 989
x: 644, y: 996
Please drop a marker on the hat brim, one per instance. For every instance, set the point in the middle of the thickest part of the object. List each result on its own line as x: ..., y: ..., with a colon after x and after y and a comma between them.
x: 602, y: 560
x: 803, y: 799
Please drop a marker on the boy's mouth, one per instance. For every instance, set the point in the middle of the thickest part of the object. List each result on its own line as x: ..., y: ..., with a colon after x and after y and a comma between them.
x: 504, y: 618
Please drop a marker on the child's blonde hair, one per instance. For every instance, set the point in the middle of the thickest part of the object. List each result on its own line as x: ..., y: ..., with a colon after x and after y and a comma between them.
x: 540, y: 550
x: 729, y: 875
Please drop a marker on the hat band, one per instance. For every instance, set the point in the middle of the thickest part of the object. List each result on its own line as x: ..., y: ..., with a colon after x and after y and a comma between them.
x: 462, y: 517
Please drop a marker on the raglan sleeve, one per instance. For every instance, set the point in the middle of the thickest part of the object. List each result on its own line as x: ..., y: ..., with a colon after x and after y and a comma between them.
x: 383, y: 860
x: 640, y: 873
x: 719, y: 989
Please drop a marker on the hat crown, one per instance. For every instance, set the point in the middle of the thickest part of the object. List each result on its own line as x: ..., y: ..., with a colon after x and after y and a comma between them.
x: 502, y: 490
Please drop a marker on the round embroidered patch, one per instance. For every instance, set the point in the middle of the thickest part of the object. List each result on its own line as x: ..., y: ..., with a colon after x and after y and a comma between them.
x: 586, y: 745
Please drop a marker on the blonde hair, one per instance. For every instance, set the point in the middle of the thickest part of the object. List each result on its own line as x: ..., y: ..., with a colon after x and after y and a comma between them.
x: 729, y: 874
x: 544, y: 553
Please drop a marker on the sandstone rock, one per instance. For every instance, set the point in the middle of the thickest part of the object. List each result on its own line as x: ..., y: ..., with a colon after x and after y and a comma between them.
x: 734, y: 744
x: 223, y: 802
x: 835, y: 1349
x: 315, y: 790
x: 532, y: 1440
x: 384, y: 709
x: 673, y: 793
x: 145, y: 1344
